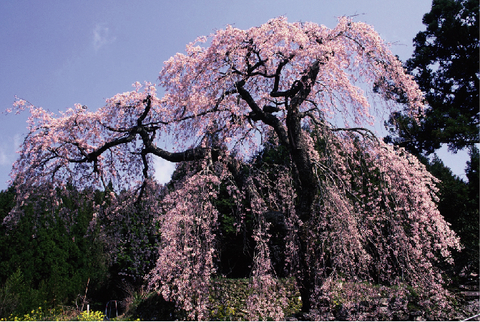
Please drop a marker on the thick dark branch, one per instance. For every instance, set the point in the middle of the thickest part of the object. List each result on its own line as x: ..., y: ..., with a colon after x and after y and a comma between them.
x: 245, y: 95
x: 306, y: 83
x: 92, y: 156
x: 145, y: 164
x: 301, y: 87
x: 145, y: 175
x: 271, y: 109
x: 296, y: 86
x: 95, y: 154
x: 118, y: 130
x: 278, y: 72
x: 267, y: 118
x: 260, y: 62
x: 192, y: 154
x: 148, y: 107
x: 304, y: 176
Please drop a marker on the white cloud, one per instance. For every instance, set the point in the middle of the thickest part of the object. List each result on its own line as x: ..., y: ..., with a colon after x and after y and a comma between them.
x: 17, y: 141
x: 163, y: 170
x: 3, y: 157
x: 7, y: 151
x: 101, y: 36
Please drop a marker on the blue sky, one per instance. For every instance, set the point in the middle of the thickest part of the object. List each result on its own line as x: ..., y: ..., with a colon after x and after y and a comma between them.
x: 58, y: 53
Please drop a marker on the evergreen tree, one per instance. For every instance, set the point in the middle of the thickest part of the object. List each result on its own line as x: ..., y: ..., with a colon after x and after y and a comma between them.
x: 45, y: 261
x: 458, y: 203
x: 445, y: 64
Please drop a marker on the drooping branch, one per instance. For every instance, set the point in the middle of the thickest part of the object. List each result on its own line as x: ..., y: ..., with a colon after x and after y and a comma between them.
x: 145, y: 133
x: 360, y: 130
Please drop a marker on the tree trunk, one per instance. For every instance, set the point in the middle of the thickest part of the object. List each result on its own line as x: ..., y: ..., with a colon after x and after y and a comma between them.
x: 304, y: 178
x: 305, y: 198
x: 306, y: 186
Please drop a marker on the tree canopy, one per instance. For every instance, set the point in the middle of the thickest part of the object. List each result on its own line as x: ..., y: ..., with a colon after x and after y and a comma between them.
x: 445, y: 66
x: 352, y: 205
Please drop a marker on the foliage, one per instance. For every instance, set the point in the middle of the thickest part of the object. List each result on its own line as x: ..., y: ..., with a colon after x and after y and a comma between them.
x: 42, y: 314
x: 229, y: 299
x: 34, y: 315
x: 153, y: 307
x: 44, y: 260
x: 343, y: 203
x: 445, y: 65
x: 347, y: 300
x: 365, y: 301
x: 227, y: 302
x: 187, y: 237
x: 129, y: 231
x: 52, y: 252
x: 10, y: 294
x: 458, y: 203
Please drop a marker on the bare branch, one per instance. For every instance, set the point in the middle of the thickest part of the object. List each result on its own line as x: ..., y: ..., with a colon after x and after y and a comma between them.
x: 360, y: 130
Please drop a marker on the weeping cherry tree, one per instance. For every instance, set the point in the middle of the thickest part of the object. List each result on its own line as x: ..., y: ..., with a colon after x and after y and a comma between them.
x: 353, y: 205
